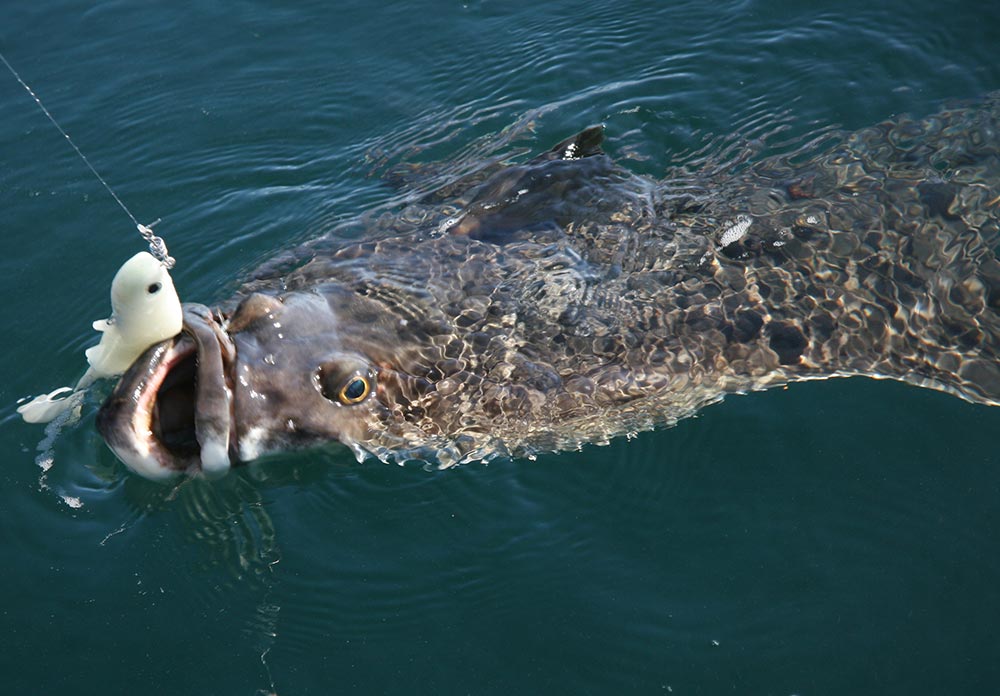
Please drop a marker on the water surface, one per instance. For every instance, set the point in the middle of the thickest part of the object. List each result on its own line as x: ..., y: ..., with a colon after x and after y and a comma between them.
x: 835, y: 537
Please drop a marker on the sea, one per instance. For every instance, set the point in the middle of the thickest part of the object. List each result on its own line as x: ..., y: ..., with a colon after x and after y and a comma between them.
x: 834, y: 537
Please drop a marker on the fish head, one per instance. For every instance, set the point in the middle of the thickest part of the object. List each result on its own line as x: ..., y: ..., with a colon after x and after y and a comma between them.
x: 313, y: 366
x: 281, y: 372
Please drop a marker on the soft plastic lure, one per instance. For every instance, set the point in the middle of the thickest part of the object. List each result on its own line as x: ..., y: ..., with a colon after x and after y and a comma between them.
x: 145, y: 310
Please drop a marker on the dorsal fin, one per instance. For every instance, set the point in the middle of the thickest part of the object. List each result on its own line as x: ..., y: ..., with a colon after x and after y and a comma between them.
x: 586, y: 143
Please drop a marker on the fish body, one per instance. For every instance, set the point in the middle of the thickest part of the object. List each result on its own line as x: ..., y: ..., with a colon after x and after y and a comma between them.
x: 566, y: 301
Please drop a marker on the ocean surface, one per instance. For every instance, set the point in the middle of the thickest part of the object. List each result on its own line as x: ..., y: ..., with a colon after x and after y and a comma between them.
x: 835, y: 537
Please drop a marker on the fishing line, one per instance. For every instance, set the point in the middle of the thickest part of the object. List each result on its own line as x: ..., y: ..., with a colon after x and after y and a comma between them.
x: 157, y: 247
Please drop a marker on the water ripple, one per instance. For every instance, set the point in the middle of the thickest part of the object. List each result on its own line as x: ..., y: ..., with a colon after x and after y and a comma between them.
x: 813, y: 540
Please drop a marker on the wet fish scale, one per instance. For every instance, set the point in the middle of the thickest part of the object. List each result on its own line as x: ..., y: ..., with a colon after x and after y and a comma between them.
x: 565, y: 300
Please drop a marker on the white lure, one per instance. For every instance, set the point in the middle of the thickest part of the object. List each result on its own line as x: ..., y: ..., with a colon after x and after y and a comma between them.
x: 145, y: 310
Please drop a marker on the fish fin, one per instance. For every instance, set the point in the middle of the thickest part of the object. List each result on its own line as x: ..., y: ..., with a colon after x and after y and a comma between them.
x: 586, y: 143
x: 536, y: 200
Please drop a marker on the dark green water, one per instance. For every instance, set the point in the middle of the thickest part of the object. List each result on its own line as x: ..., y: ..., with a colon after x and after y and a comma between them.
x: 836, y: 537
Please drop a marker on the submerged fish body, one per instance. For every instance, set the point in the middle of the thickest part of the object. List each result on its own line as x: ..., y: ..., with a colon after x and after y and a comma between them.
x: 566, y: 301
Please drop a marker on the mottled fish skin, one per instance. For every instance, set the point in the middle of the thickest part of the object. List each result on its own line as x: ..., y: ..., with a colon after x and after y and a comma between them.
x: 566, y: 301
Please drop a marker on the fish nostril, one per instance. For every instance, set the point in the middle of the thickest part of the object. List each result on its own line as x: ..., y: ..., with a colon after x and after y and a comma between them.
x: 253, y: 308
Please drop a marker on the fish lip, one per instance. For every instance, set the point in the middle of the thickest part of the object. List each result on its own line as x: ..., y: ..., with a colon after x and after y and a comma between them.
x: 129, y: 418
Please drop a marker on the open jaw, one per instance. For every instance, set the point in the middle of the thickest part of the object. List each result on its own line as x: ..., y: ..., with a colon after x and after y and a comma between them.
x: 171, y: 412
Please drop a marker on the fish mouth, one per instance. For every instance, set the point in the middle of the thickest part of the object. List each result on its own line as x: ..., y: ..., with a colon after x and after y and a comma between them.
x: 171, y: 412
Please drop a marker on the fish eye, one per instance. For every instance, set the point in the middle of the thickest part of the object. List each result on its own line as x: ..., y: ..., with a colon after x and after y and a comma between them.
x: 345, y: 382
x: 154, y: 288
x: 355, y: 391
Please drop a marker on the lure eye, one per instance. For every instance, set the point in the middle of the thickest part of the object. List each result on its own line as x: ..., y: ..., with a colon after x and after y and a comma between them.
x: 154, y: 288
x: 355, y: 391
